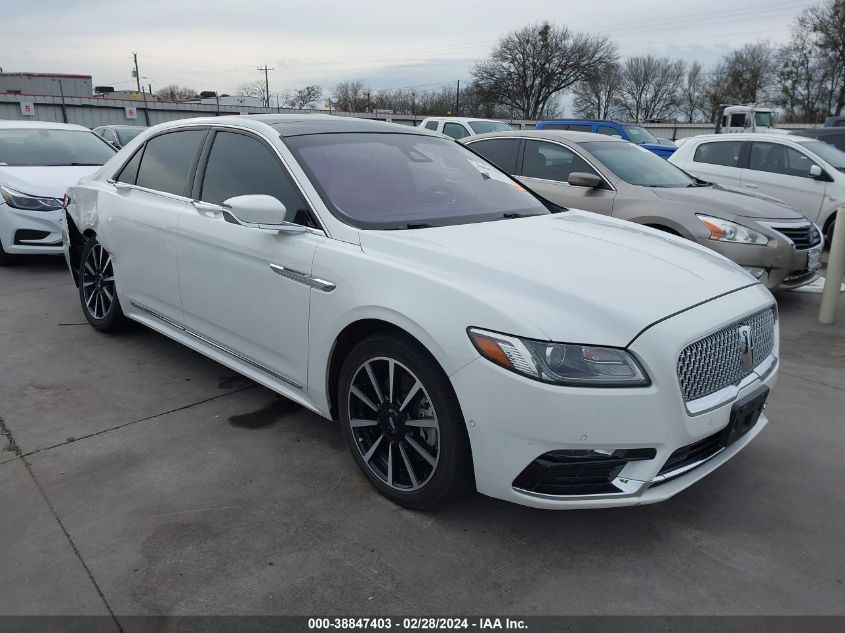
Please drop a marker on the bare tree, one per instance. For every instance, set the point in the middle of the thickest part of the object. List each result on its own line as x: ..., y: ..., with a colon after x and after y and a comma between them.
x: 255, y: 88
x: 649, y: 87
x: 595, y: 95
x: 826, y: 22
x: 693, y: 98
x: 305, y: 97
x: 528, y: 66
x: 174, y: 92
x: 750, y: 72
x: 352, y: 96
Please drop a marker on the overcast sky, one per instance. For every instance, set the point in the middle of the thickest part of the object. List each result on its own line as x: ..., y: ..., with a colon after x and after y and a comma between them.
x: 209, y: 45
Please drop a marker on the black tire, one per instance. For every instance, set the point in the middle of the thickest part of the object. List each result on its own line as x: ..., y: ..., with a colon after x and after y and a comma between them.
x: 828, y: 236
x: 97, y: 292
x: 5, y: 258
x: 435, y: 402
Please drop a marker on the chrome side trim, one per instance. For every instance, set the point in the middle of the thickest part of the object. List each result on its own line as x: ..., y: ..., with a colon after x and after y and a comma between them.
x: 222, y: 347
x: 303, y: 278
x: 684, y: 469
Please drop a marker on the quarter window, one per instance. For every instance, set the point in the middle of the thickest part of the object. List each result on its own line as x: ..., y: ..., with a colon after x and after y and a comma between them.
x: 580, y: 127
x: 168, y: 160
x: 239, y: 165
x: 499, y: 151
x: 431, y: 125
x: 779, y: 159
x: 725, y: 153
x: 455, y: 130
x: 552, y: 162
x: 129, y: 173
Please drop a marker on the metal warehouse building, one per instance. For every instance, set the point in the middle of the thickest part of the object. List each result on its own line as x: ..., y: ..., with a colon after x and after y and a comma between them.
x: 47, y: 84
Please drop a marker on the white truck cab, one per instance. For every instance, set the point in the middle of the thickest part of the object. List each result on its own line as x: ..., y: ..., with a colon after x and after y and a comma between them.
x: 746, y: 118
x: 459, y: 127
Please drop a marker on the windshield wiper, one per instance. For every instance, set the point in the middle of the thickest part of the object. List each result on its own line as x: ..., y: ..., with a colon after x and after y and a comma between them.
x: 413, y: 225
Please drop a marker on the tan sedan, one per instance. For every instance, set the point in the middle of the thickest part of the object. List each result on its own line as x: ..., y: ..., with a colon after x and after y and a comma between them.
x: 774, y: 242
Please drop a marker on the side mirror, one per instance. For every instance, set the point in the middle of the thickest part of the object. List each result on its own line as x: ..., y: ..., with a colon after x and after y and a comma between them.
x: 261, y: 211
x: 583, y: 179
x: 815, y: 171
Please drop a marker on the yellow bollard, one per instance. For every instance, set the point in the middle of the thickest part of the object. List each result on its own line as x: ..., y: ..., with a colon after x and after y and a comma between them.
x: 835, y: 271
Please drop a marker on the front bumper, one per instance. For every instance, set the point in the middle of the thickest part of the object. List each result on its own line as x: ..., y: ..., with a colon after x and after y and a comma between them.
x: 783, y: 267
x: 511, y: 420
x: 30, y: 232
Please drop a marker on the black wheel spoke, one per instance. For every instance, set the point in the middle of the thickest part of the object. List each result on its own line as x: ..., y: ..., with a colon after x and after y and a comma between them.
x: 394, y: 424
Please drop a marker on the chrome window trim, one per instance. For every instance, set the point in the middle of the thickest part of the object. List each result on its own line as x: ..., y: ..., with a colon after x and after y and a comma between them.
x: 164, y: 194
x: 216, y: 344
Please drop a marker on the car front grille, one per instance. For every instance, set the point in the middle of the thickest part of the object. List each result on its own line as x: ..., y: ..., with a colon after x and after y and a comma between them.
x: 715, y: 361
x: 803, y: 236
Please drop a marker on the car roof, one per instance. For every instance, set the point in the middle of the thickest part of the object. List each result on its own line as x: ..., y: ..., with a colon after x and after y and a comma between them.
x: 461, y: 119
x: 610, y: 121
x: 742, y: 136
x: 41, y: 125
x: 550, y: 135
x: 116, y: 126
x: 287, y: 125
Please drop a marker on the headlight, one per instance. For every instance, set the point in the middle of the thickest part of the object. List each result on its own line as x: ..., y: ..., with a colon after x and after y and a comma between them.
x: 725, y: 231
x: 19, y: 200
x: 560, y: 363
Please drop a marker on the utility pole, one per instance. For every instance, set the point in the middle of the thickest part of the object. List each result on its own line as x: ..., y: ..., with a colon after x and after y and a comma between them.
x: 137, y: 74
x: 143, y: 94
x: 266, y: 70
x: 458, y: 99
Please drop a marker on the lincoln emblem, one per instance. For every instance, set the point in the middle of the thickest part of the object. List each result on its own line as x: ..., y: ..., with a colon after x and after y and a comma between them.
x: 746, y: 346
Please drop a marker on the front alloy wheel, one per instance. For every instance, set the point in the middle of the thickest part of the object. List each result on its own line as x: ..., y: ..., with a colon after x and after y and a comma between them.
x: 394, y: 424
x: 401, y: 419
x: 97, y: 290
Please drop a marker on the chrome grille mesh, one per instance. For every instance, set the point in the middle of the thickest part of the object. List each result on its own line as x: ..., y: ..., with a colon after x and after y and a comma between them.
x: 714, y: 362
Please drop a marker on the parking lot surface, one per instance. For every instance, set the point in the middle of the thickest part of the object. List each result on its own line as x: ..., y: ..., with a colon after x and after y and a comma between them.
x: 138, y: 477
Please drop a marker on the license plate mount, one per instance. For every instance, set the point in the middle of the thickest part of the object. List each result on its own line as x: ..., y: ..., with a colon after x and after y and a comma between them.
x: 814, y: 259
x: 744, y: 415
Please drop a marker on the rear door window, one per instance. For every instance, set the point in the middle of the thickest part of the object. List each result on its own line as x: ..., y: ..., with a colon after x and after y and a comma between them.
x: 499, y: 151
x: 580, y: 127
x: 608, y: 131
x: 725, y: 153
x: 169, y: 160
x: 240, y: 165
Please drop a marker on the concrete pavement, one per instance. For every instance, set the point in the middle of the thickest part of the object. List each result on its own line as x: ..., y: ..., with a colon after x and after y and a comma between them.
x: 141, y: 478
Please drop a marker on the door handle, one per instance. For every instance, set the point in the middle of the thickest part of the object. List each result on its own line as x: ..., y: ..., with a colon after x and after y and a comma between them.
x: 750, y: 186
x: 206, y: 207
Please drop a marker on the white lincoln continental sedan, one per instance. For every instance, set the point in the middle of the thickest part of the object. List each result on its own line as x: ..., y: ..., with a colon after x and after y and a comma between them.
x: 464, y: 335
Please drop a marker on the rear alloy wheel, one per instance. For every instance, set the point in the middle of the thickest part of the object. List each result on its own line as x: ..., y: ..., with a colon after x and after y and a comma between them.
x: 401, y: 420
x: 97, y: 289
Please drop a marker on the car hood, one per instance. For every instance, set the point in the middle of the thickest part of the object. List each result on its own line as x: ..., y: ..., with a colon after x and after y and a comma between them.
x: 48, y: 182
x: 575, y: 276
x: 725, y: 201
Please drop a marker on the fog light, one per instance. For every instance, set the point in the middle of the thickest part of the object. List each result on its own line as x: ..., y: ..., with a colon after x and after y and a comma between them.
x: 754, y: 271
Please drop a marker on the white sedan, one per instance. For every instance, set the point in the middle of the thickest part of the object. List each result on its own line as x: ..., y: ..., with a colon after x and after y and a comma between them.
x: 38, y: 162
x: 463, y: 336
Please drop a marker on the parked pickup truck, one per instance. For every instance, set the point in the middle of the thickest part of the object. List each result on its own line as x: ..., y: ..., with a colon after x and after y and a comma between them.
x: 627, y: 131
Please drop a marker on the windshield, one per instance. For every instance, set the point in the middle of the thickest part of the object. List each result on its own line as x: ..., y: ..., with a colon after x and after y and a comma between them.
x: 638, y: 135
x: 21, y: 147
x: 835, y: 157
x: 638, y: 166
x: 126, y: 134
x: 763, y: 119
x: 393, y: 181
x: 482, y: 127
